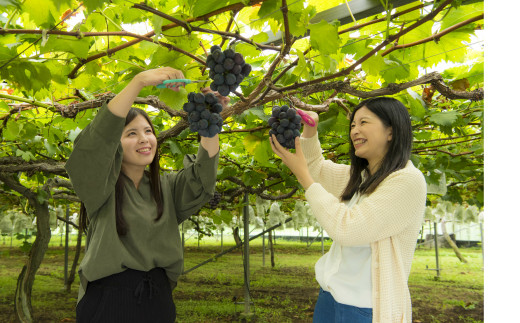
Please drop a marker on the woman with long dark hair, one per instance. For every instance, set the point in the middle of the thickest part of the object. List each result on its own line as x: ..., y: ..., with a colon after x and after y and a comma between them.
x: 372, y: 209
x: 131, y: 211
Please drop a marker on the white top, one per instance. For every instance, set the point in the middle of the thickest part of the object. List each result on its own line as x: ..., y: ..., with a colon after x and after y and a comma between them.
x: 345, y: 272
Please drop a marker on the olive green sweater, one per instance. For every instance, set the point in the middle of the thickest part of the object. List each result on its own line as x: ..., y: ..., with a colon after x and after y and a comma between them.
x: 93, y: 168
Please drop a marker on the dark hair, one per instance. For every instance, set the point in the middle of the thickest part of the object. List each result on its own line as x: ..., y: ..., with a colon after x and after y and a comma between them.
x: 153, y: 174
x: 392, y: 113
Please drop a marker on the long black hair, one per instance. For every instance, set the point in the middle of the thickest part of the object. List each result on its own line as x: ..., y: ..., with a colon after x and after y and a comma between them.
x: 392, y: 113
x: 153, y: 174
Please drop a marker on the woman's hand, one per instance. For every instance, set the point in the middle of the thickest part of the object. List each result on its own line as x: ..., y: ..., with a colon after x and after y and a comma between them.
x: 224, y: 100
x: 122, y: 102
x: 295, y: 161
x: 158, y: 75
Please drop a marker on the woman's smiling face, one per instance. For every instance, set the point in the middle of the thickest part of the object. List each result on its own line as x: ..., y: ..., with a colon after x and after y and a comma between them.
x: 370, y: 137
x: 139, y: 144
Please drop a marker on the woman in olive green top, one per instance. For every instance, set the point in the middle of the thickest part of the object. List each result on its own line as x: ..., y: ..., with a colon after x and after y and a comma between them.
x: 134, y: 255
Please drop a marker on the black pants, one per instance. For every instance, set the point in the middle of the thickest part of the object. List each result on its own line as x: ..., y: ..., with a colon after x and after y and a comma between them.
x: 130, y: 296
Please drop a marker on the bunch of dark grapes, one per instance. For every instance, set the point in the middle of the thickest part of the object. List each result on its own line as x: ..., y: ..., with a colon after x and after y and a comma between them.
x: 285, y: 124
x: 215, y: 200
x: 204, y: 113
x: 227, y: 69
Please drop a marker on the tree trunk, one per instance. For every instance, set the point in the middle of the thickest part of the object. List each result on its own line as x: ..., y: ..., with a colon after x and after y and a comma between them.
x: 72, y: 274
x: 452, y: 244
x: 271, y: 248
x: 22, y: 299
x: 236, y: 235
x: 22, y: 295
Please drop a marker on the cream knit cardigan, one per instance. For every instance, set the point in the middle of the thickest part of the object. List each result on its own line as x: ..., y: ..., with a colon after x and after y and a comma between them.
x: 389, y: 220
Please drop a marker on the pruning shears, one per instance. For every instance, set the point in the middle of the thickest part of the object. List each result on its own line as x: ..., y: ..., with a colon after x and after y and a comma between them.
x: 185, y: 81
x: 306, y: 118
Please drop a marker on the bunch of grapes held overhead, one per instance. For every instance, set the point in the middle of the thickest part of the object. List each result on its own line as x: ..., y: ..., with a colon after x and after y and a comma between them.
x: 215, y: 200
x: 227, y: 69
x: 285, y: 124
x: 204, y: 113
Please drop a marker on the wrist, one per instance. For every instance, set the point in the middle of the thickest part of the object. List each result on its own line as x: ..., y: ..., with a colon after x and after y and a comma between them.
x: 305, y: 179
x: 137, y: 82
x: 309, y: 132
x: 210, y: 144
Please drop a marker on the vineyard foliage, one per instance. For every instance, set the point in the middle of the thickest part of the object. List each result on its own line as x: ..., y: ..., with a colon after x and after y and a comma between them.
x: 60, y: 60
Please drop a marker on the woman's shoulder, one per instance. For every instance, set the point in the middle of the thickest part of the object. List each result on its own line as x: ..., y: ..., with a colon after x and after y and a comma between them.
x: 409, y: 173
x: 408, y: 183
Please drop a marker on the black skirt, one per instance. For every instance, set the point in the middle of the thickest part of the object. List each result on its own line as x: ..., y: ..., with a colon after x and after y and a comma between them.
x: 130, y: 296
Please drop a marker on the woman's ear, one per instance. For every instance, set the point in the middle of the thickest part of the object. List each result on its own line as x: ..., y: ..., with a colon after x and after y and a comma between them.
x: 389, y: 132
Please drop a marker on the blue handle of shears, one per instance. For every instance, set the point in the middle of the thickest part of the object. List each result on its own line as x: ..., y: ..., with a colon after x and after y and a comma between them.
x: 163, y: 84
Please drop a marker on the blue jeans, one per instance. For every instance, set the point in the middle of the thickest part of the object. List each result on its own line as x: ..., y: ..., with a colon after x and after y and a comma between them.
x: 327, y: 310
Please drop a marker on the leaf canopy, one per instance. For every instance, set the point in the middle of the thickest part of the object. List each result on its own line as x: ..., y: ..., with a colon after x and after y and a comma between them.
x: 60, y: 59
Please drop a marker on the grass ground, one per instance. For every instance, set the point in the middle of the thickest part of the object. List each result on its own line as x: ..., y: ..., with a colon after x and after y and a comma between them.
x: 285, y: 293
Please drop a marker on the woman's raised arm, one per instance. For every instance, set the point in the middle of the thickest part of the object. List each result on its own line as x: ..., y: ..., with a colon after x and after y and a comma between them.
x: 122, y: 102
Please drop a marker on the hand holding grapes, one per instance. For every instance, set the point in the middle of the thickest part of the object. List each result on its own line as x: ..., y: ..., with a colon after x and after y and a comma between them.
x: 295, y: 161
x: 223, y: 100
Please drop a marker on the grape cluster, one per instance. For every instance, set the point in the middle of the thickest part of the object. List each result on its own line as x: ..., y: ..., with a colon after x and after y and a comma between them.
x: 227, y: 69
x: 215, y: 200
x: 204, y: 113
x: 285, y: 124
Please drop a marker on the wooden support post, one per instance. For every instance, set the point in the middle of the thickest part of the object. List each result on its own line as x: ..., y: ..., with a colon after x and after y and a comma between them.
x: 438, y: 268
x: 66, y: 263
x: 247, y: 297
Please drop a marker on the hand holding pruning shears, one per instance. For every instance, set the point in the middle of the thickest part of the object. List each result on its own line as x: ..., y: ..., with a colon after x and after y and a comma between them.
x: 310, y: 121
x: 309, y: 117
x: 176, y: 82
x: 157, y: 76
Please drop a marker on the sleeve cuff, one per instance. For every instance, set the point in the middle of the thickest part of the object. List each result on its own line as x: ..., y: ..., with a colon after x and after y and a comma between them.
x: 206, y: 167
x: 313, y: 191
x: 310, y: 146
x: 203, y: 155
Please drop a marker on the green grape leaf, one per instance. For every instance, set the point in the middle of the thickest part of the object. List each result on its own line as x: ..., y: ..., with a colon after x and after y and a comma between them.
x: 11, y: 3
x: 92, y: 5
x: 268, y: 7
x: 416, y: 104
x: 12, y: 130
x: 78, y: 47
x: 225, y: 172
x: 324, y: 37
x: 51, y: 148
x: 175, y: 149
x: 445, y: 118
x: 252, y: 178
x: 251, y: 143
x: 202, y: 7
x: 40, y: 12
x: 174, y: 99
